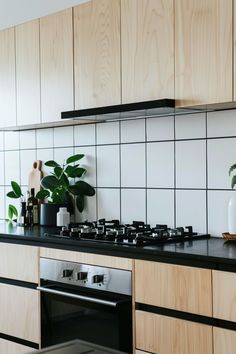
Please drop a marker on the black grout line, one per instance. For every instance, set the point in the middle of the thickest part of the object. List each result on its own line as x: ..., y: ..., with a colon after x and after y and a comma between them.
x: 175, y: 196
x: 120, y: 168
x: 207, y: 221
x: 146, y: 169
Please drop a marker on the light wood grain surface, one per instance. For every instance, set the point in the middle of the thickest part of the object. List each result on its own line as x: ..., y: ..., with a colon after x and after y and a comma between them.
x: 19, y: 308
x: 56, y: 43
x: 19, y: 262
x: 147, y: 43
x: 203, y: 51
x: 8, y: 347
x: 173, y: 286
x: 165, y: 335
x: 224, y: 341
x: 97, y: 53
x: 87, y: 258
x: 224, y: 295
x: 28, y: 73
x: 7, y: 78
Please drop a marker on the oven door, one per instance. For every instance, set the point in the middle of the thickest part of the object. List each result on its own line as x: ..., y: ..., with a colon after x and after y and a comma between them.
x: 95, y: 316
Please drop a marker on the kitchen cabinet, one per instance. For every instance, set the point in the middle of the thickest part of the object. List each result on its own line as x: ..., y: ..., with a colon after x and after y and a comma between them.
x: 8, y: 347
x: 19, y: 308
x: 162, y: 334
x: 147, y: 49
x: 224, y: 295
x: 87, y: 258
x: 56, y: 56
x: 28, y: 73
x: 203, y: 52
x: 7, y: 78
x: 97, y: 54
x: 175, y: 287
x: 25, y: 257
x: 224, y: 341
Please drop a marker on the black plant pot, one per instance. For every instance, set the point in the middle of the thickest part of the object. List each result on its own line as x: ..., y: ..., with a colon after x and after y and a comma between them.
x: 48, y: 214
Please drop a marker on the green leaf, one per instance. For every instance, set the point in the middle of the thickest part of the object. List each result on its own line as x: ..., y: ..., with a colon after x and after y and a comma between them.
x: 76, y: 172
x: 16, y: 189
x: 233, y: 167
x: 58, y: 195
x: 42, y: 194
x: 80, y: 203
x: 58, y: 171
x: 74, y: 158
x: 50, y: 182
x: 75, y: 190
x: 11, y: 194
x: 86, y: 188
x: 51, y: 163
x: 64, y: 180
x: 12, y: 211
x: 233, y: 181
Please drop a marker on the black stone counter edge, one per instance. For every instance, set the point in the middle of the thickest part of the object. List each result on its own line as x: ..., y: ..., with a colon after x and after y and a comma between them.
x: 188, y: 259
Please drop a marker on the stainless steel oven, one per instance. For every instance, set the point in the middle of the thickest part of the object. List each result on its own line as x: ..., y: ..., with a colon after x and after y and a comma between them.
x: 80, y: 301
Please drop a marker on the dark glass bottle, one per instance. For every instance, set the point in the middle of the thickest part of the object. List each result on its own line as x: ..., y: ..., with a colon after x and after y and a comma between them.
x: 33, y: 203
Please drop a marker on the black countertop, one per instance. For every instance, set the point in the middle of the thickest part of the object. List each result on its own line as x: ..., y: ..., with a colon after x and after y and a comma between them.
x: 215, y: 253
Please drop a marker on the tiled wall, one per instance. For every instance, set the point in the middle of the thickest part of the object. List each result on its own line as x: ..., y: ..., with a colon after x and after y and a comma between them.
x: 170, y: 170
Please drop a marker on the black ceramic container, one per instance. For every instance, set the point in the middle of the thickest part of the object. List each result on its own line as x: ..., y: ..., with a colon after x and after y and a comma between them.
x: 48, y: 214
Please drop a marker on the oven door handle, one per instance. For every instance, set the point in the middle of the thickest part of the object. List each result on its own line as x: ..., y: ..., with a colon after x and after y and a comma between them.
x: 78, y: 297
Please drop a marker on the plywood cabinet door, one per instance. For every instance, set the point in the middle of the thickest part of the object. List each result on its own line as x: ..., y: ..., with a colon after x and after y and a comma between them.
x: 160, y: 334
x: 224, y: 295
x: 224, y: 341
x: 203, y: 51
x: 20, y: 312
x: 173, y: 286
x: 97, y: 53
x: 28, y: 73
x: 56, y: 49
x: 8, y: 347
x: 7, y: 78
x: 147, y: 49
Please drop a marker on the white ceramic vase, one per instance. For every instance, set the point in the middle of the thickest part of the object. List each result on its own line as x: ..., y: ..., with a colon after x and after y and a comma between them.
x: 232, y: 215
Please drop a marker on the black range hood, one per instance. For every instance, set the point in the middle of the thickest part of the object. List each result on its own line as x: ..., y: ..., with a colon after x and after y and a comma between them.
x: 123, y: 111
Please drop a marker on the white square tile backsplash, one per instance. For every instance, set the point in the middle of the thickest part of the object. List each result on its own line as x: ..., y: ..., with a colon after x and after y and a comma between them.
x: 191, y: 164
x: 152, y: 169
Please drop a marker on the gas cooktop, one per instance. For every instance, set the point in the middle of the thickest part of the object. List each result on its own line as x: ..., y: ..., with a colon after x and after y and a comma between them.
x: 136, y: 234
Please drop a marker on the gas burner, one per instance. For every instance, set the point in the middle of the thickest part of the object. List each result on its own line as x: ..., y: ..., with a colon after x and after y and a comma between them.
x: 136, y: 234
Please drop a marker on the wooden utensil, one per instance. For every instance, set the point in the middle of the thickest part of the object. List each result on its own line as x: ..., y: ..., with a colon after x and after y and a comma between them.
x: 35, y: 176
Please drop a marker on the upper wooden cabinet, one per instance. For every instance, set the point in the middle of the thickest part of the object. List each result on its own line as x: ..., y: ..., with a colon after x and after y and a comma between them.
x: 7, y: 78
x: 28, y: 73
x: 97, y: 53
x: 147, y: 49
x: 56, y: 44
x: 203, y: 51
x: 175, y: 287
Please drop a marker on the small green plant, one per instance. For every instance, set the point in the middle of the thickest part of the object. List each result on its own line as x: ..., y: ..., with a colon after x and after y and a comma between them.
x: 233, y: 180
x: 15, y: 193
x: 64, y: 183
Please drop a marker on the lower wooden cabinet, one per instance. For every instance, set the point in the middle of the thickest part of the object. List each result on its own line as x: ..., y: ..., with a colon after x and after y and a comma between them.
x: 165, y: 335
x: 7, y: 347
x: 140, y: 352
x: 224, y: 295
x: 224, y: 341
x: 174, y: 286
x: 20, y: 313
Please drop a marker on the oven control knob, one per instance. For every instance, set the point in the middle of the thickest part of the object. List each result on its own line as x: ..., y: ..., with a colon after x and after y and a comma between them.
x: 67, y: 273
x: 98, y: 278
x: 82, y: 276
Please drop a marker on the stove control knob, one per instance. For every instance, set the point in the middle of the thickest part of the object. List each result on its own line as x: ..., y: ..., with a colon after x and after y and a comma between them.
x: 98, y: 278
x: 67, y: 273
x: 82, y: 276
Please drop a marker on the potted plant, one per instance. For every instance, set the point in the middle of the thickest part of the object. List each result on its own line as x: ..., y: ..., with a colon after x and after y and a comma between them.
x: 63, y: 187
